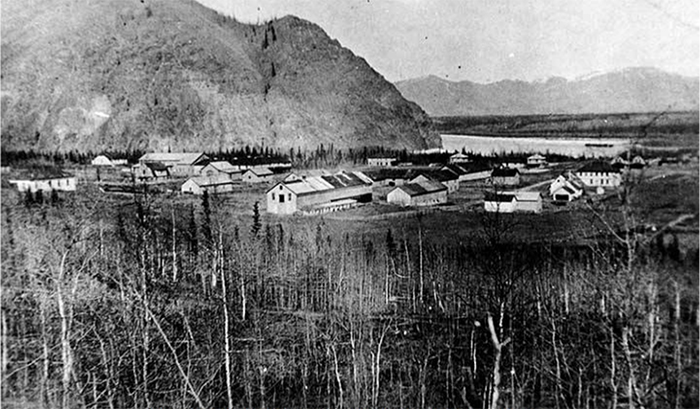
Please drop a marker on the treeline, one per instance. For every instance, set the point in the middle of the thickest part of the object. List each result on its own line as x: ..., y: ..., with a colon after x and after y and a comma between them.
x: 155, y: 304
x: 322, y: 157
x: 21, y: 157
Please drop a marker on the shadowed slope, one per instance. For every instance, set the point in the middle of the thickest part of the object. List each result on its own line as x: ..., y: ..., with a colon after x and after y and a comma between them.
x: 156, y: 75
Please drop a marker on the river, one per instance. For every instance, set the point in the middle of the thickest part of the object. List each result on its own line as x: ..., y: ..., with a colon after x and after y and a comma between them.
x: 488, y: 145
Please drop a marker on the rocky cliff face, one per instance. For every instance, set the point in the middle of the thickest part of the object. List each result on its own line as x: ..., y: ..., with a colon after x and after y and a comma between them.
x: 172, y: 74
x: 625, y: 91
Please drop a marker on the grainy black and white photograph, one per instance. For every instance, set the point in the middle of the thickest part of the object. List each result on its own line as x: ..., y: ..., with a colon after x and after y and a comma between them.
x: 309, y: 204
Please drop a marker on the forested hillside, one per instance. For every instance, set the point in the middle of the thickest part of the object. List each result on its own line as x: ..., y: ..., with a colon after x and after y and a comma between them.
x: 174, y: 75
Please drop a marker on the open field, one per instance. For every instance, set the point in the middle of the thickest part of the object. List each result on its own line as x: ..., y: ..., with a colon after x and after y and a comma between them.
x: 662, y: 194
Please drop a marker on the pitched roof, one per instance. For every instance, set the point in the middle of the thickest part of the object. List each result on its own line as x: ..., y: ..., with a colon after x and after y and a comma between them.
x: 501, y: 197
x: 565, y: 188
x: 205, y: 181
x: 342, y: 179
x: 527, y: 196
x: 438, y: 175
x: 224, y: 166
x: 173, y: 158
x: 505, y: 172
x: 386, y: 173
x: 39, y: 173
x: 260, y: 171
x: 457, y: 169
x: 422, y: 188
x: 509, y: 196
x: 598, y: 166
x: 325, y: 182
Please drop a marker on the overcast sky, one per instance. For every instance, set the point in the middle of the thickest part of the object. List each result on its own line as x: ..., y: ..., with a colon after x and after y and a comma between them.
x: 491, y: 40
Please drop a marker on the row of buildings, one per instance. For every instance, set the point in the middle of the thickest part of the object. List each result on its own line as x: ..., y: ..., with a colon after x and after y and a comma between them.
x: 534, y: 161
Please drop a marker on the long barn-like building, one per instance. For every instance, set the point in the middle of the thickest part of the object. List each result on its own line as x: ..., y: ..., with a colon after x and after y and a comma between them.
x: 319, y: 193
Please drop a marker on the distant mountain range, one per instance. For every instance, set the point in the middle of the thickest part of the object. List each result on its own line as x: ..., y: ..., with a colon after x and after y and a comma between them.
x: 175, y: 75
x: 629, y: 90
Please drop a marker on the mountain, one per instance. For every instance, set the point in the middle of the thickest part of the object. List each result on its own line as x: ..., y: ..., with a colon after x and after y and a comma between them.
x: 629, y: 90
x: 173, y: 74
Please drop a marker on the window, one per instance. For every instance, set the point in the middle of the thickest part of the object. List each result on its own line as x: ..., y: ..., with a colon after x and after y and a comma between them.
x: 273, y: 196
x: 290, y: 197
x: 281, y: 198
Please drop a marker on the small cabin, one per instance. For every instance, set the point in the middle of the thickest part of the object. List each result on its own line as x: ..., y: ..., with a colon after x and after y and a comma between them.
x: 536, y: 161
x: 459, y: 158
x: 505, y: 176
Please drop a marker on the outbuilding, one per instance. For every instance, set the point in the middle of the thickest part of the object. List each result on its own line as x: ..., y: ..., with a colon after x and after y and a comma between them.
x: 510, y: 202
x: 211, y: 184
x: 44, y: 179
x: 221, y: 168
x: 257, y: 175
x: 445, y: 176
x: 566, y: 188
x: 421, y: 193
x: 505, y: 176
x: 536, y: 161
x: 177, y: 164
x: 459, y: 158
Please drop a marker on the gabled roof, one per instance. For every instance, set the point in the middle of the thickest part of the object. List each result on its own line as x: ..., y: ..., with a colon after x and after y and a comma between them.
x: 157, y: 166
x: 565, y: 188
x: 206, y: 181
x: 528, y: 196
x: 324, y: 182
x: 174, y: 158
x: 441, y: 175
x: 598, y: 166
x: 386, y: 173
x: 459, y: 156
x: 38, y: 173
x: 422, y: 188
x: 260, y: 171
x: 224, y: 166
x: 340, y: 180
x: 536, y: 156
x: 456, y: 169
x: 505, y: 172
x: 510, y: 196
